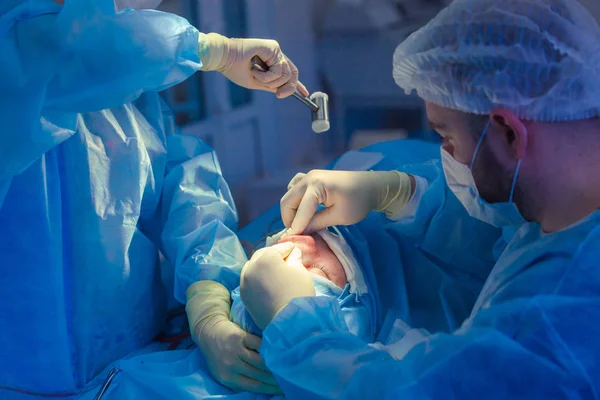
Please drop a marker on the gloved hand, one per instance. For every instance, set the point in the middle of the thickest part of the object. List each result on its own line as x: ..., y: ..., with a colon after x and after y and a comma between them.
x: 232, y: 58
x: 268, y: 283
x: 348, y: 196
x: 231, y: 353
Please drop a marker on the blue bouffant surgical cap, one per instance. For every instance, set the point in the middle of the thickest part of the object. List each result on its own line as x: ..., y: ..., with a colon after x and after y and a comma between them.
x: 537, y: 58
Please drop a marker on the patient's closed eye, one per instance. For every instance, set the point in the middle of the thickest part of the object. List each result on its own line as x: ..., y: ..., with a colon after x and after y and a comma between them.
x: 322, y: 268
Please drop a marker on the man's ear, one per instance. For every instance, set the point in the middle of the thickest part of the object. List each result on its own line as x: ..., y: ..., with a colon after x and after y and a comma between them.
x: 514, y: 132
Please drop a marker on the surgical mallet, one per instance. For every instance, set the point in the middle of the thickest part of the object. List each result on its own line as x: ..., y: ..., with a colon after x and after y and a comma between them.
x: 317, y: 102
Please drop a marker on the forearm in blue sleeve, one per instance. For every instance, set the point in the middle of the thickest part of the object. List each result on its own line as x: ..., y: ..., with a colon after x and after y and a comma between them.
x: 200, y: 219
x: 313, y: 356
x: 112, y: 59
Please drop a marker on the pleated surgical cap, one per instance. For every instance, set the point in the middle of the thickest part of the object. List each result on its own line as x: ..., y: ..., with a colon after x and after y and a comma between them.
x: 537, y: 58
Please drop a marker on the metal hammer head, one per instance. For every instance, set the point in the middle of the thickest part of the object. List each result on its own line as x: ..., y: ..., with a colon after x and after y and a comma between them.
x: 318, y: 101
x: 320, y: 117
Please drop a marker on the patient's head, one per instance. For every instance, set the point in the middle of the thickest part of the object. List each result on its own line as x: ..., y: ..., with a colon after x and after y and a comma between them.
x: 336, y: 274
x: 318, y: 258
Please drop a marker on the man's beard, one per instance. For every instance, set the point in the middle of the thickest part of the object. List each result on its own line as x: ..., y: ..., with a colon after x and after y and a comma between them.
x: 493, y: 180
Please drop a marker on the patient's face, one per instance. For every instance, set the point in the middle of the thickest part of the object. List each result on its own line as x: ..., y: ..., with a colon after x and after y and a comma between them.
x: 318, y: 258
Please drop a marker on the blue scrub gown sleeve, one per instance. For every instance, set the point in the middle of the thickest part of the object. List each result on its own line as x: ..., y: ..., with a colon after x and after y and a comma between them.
x: 198, y: 217
x: 313, y: 356
x: 137, y: 51
x: 60, y: 61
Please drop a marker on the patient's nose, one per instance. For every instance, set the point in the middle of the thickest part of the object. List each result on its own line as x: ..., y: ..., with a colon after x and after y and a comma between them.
x: 305, y: 241
x: 295, y: 258
x: 306, y: 244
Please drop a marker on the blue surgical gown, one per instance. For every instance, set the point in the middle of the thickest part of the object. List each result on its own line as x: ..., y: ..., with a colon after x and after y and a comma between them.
x: 95, y: 186
x: 532, y: 334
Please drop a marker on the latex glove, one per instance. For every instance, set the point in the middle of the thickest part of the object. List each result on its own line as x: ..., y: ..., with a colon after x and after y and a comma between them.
x: 231, y: 353
x: 232, y: 58
x: 348, y: 196
x: 268, y: 283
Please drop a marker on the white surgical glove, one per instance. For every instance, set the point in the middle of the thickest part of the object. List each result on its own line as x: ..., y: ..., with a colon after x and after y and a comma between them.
x: 231, y: 353
x: 348, y: 196
x: 268, y: 283
x: 233, y: 58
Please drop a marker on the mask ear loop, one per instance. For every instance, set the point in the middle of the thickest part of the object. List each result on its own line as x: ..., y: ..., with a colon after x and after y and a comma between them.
x: 479, y: 143
x: 485, y: 131
x: 514, y: 182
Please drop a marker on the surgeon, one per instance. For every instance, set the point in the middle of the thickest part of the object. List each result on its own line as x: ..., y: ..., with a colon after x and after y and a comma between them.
x: 512, y: 88
x: 96, y: 186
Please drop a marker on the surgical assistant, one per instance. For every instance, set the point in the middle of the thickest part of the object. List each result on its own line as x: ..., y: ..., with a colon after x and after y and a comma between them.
x: 95, y: 182
x: 511, y: 87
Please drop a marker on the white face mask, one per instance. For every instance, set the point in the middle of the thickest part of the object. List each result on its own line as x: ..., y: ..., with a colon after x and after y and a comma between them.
x: 459, y: 178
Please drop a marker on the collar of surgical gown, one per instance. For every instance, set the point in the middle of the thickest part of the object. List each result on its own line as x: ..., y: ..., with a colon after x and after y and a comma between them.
x: 530, y: 245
